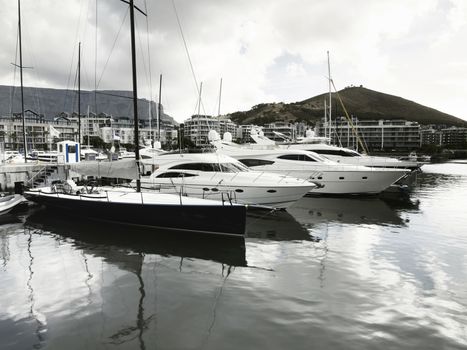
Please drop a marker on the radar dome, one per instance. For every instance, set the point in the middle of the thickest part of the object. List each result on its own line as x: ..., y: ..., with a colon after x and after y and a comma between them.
x: 228, y: 137
x: 213, y: 135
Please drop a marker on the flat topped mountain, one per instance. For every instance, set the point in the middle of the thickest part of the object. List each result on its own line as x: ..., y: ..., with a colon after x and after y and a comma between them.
x: 51, y: 102
x: 363, y: 103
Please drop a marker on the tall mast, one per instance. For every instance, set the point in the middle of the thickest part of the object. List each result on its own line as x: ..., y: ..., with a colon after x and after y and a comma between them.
x: 21, y: 78
x: 159, y: 111
x: 330, y: 100
x: 135, y: 90
x: 79, y: 94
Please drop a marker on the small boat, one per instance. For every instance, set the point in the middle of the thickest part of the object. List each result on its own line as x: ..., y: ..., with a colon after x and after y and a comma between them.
x: 123, y: 154
x: 12, y: 157
x: 8, y: 202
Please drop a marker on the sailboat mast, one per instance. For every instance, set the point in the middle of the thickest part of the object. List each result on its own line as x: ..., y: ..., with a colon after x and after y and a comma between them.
x: 220, y: 97
x: 79, y: 94
x: 325, y: 119
x: 87, y: 122
x: 330, y: 100
x: 21, y: 79
x: 159, y: 111
x: 199, y: 97
x: 135, y: 91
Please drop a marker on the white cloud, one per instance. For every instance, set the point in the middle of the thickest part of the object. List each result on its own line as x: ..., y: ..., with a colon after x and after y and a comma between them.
x: 264, y: 50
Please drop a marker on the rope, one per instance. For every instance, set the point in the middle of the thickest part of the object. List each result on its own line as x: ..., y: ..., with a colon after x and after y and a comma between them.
x: 349, y: 119
x: 188, y: 55
x: 111, y: 51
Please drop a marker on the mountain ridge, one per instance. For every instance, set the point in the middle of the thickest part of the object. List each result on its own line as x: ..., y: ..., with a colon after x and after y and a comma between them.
x: 50, y: 102
x: 361, y: 102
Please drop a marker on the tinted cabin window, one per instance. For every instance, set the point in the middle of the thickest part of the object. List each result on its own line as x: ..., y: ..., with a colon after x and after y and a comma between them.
x: 174, y: 174
x: 301, y: 157
x: 335, y: 152
x: 256, y: 162
x: 198, y: 166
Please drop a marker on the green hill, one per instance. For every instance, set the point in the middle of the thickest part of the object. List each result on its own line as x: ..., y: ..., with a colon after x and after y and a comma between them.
x: 363, y: 103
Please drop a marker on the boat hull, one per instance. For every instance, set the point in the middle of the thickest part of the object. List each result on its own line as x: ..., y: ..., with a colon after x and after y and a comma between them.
x: 7, y: 203
x: 216, y: 219
x: 277, y: 197
x: 352, y: 182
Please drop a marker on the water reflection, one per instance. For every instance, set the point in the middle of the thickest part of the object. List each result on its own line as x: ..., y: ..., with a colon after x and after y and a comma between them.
x: 387, y: 273
x: 359, y: 210
x: 8, y: 224
x: 122, y: 249
x: 89, y: 235
x: 276, y: 225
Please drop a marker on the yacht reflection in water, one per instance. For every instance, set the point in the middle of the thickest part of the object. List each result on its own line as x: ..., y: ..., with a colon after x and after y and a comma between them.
x: 223, y: 249
x: 358, y: 210
x: 276, y: 226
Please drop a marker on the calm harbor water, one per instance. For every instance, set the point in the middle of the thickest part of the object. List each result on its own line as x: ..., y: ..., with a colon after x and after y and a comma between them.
x: 348, y: 273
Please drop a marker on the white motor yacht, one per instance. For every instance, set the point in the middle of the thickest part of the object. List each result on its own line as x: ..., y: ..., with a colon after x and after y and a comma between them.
x: 216, y: 176
x: 333, y: 178
x: 348, y: 156
x: 337, y: 154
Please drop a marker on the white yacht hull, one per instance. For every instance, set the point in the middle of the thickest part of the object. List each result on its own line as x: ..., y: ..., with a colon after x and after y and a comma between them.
x: 346, y: 182
x: 250, y: 188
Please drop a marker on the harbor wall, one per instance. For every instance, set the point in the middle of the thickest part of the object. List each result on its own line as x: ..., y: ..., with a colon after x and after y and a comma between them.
x: 11, y: 173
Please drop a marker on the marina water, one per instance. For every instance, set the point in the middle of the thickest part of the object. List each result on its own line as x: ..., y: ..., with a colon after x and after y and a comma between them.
x: 332, y: 273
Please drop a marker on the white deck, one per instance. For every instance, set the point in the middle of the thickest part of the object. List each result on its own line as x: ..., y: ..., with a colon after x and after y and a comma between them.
x: 129, y: 196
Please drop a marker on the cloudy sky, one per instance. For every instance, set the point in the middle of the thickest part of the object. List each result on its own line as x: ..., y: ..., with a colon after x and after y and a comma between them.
x: 264, y: 50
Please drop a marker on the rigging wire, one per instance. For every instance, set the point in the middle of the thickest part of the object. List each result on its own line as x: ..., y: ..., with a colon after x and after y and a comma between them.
x: 112, y: 49
x: 12, y: 88
x: 187, y: 53
x: 73, y: 56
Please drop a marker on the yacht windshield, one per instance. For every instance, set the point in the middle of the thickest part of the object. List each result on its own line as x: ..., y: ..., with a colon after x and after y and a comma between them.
x: 212, y: 167
x: 337, y: 152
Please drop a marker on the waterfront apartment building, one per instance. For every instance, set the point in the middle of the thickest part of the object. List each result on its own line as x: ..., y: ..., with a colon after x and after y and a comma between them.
x: 454, y: 137
x: 431, y: 136
x: 227, y: 125
x: 244, y: 132
x: 90, y: 123
x: 40, y: 133
x: 197, y: 128
x: 375, y: 134
x: 280, y: 131
x: 444, y: 136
